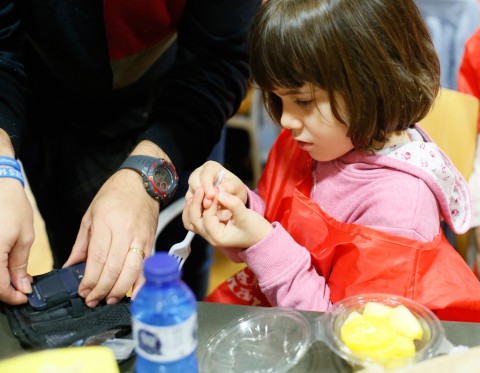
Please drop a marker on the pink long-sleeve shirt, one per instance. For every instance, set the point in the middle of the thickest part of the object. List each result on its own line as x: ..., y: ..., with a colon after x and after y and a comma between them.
x: 407, y: 193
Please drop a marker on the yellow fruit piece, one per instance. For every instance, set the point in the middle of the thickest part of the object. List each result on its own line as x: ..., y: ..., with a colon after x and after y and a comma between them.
x: 366, y: 333
x: 399, y: 352
x: 405, y: 323
x: 377, y: 309
x: 399, y: 347
x: 352, y: 315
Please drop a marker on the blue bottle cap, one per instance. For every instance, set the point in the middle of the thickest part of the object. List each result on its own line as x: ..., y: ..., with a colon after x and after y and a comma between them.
x: 161, y: 265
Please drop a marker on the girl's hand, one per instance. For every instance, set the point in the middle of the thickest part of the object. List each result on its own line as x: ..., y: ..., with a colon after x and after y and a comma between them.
x: 205, y: 177
x: 242, y: 229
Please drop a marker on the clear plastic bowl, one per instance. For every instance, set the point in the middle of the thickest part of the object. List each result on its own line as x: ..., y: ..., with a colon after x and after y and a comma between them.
x: 270, y: 340
x: 426, y: 347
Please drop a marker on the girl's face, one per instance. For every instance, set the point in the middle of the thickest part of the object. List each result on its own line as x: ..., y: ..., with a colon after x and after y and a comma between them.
x: 308, y: 115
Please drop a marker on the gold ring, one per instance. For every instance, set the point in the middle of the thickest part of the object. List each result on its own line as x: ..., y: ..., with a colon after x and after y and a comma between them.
x: 137, y: 250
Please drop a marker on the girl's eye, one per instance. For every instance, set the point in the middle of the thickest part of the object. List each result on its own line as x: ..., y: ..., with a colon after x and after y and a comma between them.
x: 303, y: 102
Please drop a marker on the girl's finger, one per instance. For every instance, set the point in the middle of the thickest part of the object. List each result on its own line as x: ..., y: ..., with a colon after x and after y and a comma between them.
x: 212, y: 225
x: 231, y: 203
x: 196, y: 210
x: 186, y: 214
x: 224, y: 215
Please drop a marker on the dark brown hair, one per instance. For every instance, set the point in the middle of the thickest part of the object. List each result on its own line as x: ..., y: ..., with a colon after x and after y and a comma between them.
x: 376, y: 53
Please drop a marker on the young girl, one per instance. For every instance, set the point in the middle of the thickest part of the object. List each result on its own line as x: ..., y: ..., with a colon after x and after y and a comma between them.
x: 354, y: 191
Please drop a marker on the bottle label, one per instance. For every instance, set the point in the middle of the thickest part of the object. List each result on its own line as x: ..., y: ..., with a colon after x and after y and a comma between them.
x: 164, y: 344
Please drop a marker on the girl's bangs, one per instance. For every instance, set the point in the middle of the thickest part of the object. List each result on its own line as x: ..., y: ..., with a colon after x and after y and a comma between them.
x: 278, y: 59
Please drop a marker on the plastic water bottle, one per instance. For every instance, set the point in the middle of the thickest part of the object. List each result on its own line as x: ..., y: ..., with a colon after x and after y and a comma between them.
x: 164, y: 320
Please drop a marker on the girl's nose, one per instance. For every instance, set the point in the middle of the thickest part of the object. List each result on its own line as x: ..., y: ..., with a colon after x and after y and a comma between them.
x: 289, y: 121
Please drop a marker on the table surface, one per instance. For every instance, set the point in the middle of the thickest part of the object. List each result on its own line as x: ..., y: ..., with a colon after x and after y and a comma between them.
x: 212, y: 317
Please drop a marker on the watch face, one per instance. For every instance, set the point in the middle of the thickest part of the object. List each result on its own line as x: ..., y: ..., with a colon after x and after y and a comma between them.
x: 163, y: 178
x: 159, y: 176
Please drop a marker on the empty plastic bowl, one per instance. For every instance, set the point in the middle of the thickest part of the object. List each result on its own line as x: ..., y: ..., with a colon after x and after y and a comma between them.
x: 270, y: 340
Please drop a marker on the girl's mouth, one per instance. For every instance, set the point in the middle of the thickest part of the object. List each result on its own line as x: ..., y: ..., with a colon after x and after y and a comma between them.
x: 304, y: 145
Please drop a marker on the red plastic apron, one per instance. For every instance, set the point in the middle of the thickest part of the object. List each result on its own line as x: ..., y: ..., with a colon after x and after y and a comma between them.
x: 355, y: 259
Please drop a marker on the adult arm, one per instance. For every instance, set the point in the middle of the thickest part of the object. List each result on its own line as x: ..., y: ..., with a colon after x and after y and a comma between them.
x: 207, y: 83
x: 204, y: 88
x: 12, y: 76
x: 16, y: 214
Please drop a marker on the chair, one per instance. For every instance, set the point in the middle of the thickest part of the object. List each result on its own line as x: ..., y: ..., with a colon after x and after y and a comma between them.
x: 452, y: 124
x: 248, y: 118
x: 167, y: 214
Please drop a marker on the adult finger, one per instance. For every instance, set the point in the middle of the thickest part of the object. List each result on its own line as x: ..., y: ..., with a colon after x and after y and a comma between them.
x: 17, y: 265
x: 8, y: 293
x: 98, y: 251
x: 80, y: 247
x: 137, y: 285
x: 120, y: 263
x: 130, y: 272
x: 111, y: 268
x: 13, y: 292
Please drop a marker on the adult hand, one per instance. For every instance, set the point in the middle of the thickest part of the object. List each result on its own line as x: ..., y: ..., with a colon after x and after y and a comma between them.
x: 16, y: 238
x: 205, y: 177
x: 121, y: 216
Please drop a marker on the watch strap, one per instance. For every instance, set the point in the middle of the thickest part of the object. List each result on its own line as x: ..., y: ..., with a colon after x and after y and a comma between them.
x: 10, y: 168
x: 139, y: 163
x: 7, y: 172
x: 9, y: 161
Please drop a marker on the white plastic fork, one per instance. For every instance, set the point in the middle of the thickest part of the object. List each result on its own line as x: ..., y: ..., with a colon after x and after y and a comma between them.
x: 181, y: 250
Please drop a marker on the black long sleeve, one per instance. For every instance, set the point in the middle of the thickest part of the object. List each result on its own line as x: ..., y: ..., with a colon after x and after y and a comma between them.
x: 12, y: 75
x: 194, y: 87
x: 208, y: 82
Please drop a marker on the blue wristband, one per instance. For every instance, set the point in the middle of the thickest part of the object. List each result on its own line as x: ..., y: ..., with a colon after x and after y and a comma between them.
x: 12, y: 173
x: 9, y: 161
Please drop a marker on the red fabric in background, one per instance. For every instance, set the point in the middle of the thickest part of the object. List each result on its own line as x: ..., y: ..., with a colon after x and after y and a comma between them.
x: 355, y: 259
x: 469, y: 72
x: 135, y: 25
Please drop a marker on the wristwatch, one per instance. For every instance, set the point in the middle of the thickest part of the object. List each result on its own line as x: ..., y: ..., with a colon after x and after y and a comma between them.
x: 159, y: 176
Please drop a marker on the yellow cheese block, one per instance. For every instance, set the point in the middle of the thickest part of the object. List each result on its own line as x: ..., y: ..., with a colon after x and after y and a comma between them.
x: 70, y: 359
